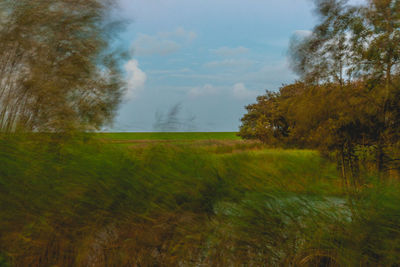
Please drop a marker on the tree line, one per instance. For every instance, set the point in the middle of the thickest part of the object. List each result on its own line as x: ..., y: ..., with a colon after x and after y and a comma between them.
x: 347, y: 99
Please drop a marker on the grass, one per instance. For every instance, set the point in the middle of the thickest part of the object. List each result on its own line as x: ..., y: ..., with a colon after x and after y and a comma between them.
x: 172, y: 136
x: 216, y: 203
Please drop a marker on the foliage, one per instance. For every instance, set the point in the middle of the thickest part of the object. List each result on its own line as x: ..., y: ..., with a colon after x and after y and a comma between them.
x: 347, y: 99
x: 58, y: 68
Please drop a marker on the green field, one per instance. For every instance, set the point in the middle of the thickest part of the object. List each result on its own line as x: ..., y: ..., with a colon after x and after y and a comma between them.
x: 203, y: 202
x: 172, y: 136
x: 211, y: 142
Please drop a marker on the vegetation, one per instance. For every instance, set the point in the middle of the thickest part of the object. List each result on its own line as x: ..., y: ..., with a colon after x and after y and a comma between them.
x: 347, y: 100
x: 58, y: 71
x: 173, y: 136
x: 73, y: 198
x: 88, y: 204
x: 85, y: 203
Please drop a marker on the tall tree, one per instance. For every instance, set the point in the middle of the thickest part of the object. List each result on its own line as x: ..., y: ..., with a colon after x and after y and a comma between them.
x: 348, y: 97
x: 357, y: 43
x: 57, y: 68
x: 325, y: 54
x: 377, y: 46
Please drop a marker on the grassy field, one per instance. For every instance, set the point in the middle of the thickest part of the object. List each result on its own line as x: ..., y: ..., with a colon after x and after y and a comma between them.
x: 204, y: 202
x: 172, y: 136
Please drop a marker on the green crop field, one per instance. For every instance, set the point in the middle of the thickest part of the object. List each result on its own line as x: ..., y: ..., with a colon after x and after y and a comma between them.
x: 212, y: 142
x: 172, y: 136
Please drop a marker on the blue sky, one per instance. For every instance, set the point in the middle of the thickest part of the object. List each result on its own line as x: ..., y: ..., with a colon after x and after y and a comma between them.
x: 209, y: 57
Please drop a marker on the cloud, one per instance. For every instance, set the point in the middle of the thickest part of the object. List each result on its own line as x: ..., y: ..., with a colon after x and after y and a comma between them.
x: 230, y: 51
x: 136, y: 78
x: 243, y: 63
x: 180, y: 33
x: 162, y: 43
x: 267, y: 74
x: 302, y: 33
x: 207, y: 89
x: 271, y: 75
x: 241, y: 92
x: 146, y: 45
x: 170, y: 71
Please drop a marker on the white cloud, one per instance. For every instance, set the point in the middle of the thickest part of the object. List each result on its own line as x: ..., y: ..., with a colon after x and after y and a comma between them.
x: 230, y: 51
x: 162, y: 43
x: 242, y: 63
x: 259, y: 77
x: 207, y: 89
x: 136, y: 78
x: 241, y: 92
x: 302, y: 33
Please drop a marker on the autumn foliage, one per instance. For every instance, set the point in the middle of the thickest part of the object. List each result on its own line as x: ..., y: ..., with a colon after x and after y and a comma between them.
x: 347, y: 98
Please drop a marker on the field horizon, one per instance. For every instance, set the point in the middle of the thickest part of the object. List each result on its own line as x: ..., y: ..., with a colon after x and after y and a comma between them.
x: 169, y: 135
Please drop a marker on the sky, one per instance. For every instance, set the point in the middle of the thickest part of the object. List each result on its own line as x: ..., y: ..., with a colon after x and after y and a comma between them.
x: 203, y: 61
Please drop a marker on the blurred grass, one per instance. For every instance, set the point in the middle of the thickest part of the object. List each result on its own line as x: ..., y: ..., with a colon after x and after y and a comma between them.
x: 173, y: 136
x: 215, y: 203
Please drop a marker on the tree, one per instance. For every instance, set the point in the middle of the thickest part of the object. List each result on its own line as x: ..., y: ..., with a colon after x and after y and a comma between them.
x: 325, y: 55
x: 58, y: 71
x: 349, y: 69
x: 265, y: 120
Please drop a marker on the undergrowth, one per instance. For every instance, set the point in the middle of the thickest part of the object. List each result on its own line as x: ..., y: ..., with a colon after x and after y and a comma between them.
x: 83, y: 203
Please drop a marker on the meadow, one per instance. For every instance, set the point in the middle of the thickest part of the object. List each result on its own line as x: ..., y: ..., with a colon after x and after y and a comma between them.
x: 173, y: 136
x: 89, y: 202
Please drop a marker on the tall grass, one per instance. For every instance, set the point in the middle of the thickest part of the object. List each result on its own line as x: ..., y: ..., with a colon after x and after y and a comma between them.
x: 84, y: 203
